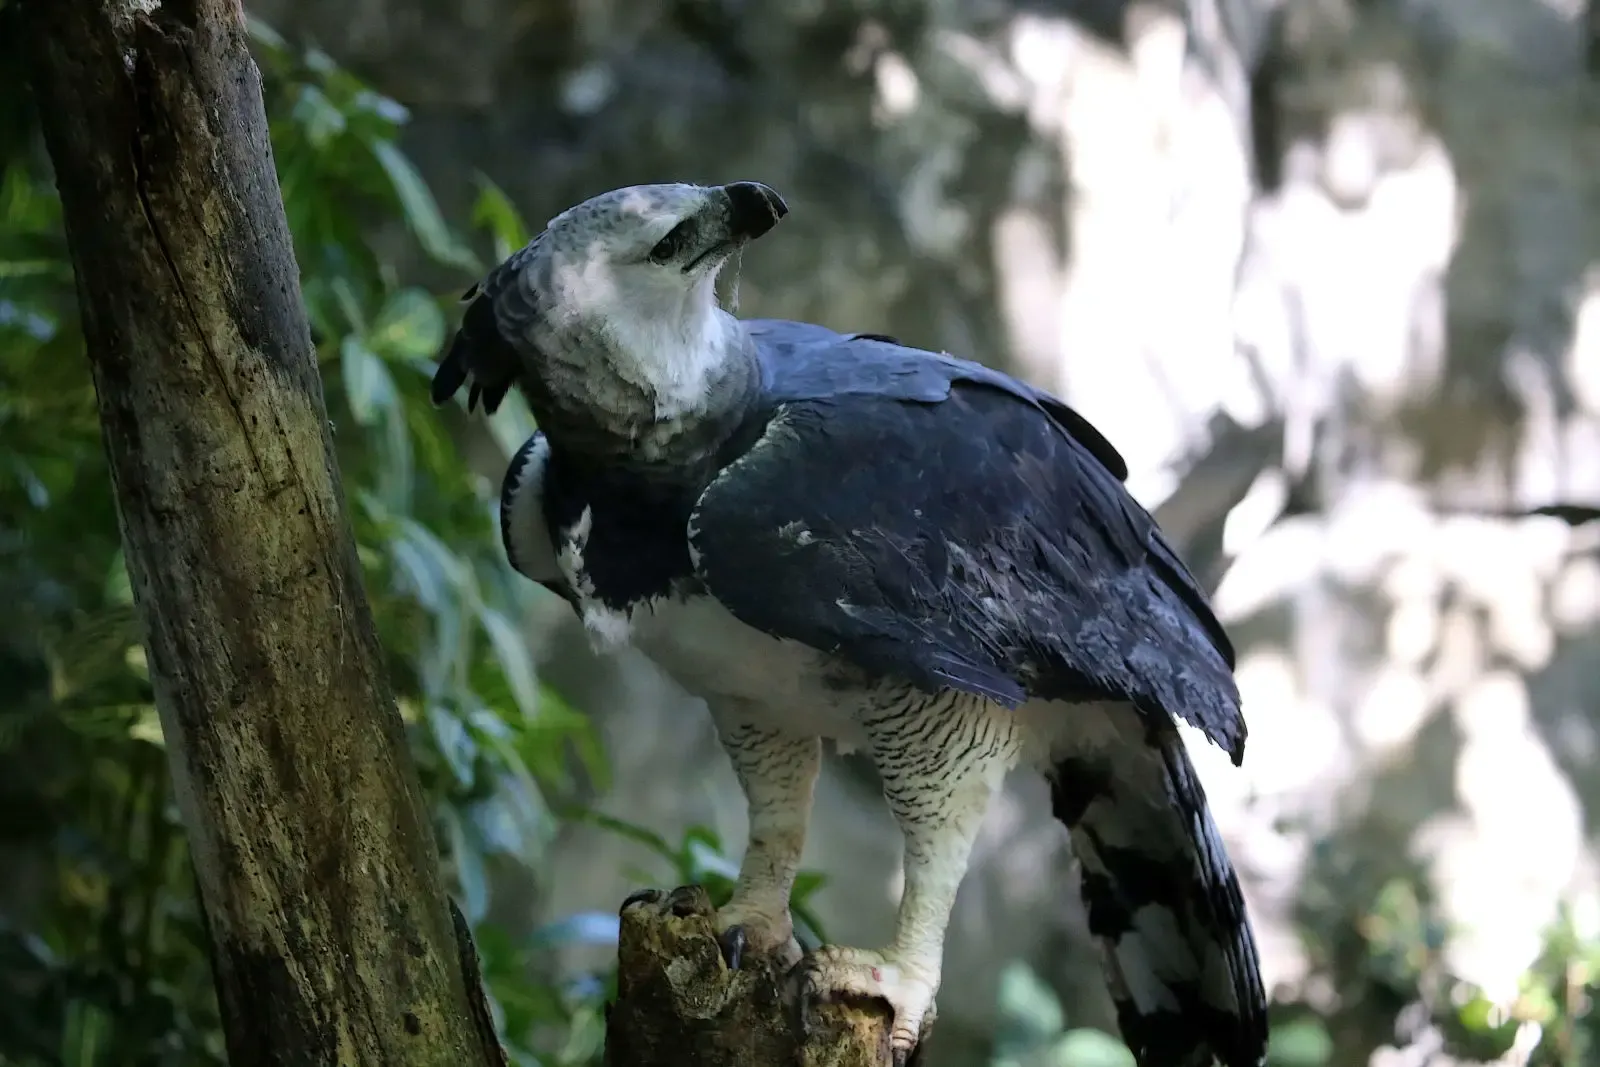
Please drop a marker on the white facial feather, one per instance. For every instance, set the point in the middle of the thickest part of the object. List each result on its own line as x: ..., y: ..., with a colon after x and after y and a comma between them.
x: 664, y: 330
x: 570, y: 558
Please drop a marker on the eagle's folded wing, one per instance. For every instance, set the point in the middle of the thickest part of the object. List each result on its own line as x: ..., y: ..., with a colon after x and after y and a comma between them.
x: 970, y: 542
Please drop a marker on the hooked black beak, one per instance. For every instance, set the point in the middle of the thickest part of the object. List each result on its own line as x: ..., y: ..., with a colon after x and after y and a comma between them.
x: 753, y: 209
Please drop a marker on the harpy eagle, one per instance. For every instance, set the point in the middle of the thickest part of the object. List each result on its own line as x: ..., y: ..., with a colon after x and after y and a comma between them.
x: 837, y: 536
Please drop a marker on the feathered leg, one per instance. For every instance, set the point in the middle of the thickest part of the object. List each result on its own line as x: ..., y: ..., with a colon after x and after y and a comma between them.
x: 941, y: 759
x: 778, y: 772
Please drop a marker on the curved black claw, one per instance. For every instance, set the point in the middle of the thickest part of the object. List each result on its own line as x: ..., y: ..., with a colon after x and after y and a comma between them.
x: 733, y: 943
x: 805, y: 994
x: 682, y: 902
x: 911, y: 1057
x: 915, y: 1059
x: 640, y: 896
x: 687, y: 900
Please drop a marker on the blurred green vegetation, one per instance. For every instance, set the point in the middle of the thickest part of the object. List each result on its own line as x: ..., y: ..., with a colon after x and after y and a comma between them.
x: 102, y: 955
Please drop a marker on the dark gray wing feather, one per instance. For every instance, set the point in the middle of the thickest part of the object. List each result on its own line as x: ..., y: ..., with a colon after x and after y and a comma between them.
x: 802, y: 360
x: 936, y: 520
x: 484, y: 350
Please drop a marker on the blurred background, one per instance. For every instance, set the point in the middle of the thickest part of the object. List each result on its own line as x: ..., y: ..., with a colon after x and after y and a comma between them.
x: 1326, y: 271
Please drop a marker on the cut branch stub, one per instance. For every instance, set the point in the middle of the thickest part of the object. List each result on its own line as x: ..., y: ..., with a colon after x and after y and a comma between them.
x: 678, y: 1004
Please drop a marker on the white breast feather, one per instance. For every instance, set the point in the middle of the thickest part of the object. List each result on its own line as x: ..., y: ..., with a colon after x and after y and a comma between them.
x: 528, y: 541
x: 700, y: 645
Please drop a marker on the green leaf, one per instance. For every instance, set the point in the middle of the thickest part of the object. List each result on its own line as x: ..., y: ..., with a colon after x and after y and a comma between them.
x: 419, y: 573
x: 263, y: 35
x: 319, y: 119
x: 455, y: 744
x: 13, y: 269
x: 489, y: 725
x: 632, y: 831
x: 1475, y: 1027
x: 511, y: 650
x: 705, y: 859
x: 408, y: 327
x: 496, y: 827
x: 83, y: 1036
x: 344, y: 295
x: 368, y: 387
x: 495, y: 211
x: 1027, y: 1001
x: 471, y: 875
x: 421, y: 210
x: 1299, y: 1043
x: 1091, y: 1048
x: 809, y: 930
x: 805, y: 884
x: 520, y: 800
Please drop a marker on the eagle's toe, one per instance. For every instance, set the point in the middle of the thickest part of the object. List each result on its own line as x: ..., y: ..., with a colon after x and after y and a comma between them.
x: 833, y: 972
x: 750, y: 929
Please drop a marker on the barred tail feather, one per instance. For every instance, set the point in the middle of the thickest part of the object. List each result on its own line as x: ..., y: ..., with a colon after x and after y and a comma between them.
x: 1164, y: 902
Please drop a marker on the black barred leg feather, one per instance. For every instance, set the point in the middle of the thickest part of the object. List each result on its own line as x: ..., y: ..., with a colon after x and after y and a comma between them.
x: 1163, y: 901
x: 778, y: 771
x: 941, y: 758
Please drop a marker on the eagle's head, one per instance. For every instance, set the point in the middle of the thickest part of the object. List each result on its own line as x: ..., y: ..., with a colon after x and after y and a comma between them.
x: 630, y: 282
x: 609, y: 318
x: 661, y: 244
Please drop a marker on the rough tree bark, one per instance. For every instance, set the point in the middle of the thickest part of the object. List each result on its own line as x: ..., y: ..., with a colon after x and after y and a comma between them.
x: 333, y: 941
x: 678, y: 1004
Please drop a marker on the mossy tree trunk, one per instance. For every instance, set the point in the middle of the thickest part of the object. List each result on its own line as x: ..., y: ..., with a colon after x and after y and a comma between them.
x: 333, y: 941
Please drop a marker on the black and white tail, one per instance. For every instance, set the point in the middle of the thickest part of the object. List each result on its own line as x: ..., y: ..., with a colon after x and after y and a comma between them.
x: 1164, y: 903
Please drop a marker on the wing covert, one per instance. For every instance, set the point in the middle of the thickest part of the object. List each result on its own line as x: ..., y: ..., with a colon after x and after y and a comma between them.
x: 965, y: 543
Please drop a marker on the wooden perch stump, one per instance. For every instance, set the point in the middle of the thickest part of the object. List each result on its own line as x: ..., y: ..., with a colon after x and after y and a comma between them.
x: 678, y: 1004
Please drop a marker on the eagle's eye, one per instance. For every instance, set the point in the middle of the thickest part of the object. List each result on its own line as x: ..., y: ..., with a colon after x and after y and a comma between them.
x: 667, y: 249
